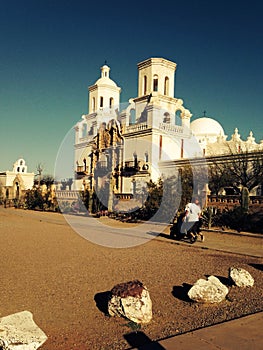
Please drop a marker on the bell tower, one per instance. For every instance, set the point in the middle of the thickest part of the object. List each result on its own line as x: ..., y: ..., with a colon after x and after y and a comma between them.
x: 156, y: 75
x: 104, y: 93
x: 156, y: 103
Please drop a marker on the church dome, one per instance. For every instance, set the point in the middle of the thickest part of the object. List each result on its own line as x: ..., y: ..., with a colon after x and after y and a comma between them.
x: 207, y: 127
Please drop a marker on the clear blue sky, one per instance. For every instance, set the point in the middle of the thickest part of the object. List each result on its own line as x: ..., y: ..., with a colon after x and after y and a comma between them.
x: 51, y: 51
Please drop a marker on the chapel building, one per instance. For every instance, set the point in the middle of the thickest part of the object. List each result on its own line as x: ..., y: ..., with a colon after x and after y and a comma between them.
x: 14, y: 183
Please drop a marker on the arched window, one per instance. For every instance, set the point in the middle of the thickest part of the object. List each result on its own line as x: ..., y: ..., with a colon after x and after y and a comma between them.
x: 132, y: 117
x: 145, y: 85
x: 84, y: 130
x: 111, y: 102
x: 93, y: 104
x: 166, y: 86
x: 155, y: 82
x: 178, y: 120
x: 101, y: 101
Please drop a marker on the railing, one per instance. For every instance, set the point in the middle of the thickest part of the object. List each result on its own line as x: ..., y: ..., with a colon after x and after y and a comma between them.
x: 170, y: 128
x: 67, y: 194
x: 124, y: 196
x: 231, y: 201
x: 136, y: 127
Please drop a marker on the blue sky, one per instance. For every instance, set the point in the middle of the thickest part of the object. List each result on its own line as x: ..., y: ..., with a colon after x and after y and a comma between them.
x: 51, y: 51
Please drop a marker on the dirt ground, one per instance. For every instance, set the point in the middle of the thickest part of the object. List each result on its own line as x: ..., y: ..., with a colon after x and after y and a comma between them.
x: 62, y: 278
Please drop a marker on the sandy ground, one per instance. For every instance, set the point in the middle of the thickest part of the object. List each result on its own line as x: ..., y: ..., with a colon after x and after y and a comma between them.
x: 62, y: 278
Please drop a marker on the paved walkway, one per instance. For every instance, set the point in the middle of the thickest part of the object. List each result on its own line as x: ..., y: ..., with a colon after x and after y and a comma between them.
x: 231, y: 242
x: 244, y: 333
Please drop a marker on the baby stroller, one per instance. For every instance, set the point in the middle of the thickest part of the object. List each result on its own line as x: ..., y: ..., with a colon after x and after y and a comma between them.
x: 191, y: 234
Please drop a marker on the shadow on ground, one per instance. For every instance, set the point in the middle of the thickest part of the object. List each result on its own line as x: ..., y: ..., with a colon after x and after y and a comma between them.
x: 160, y: 234
x: 141, y: 341
x: 257, y: 266
x: 181, y: 292
x: 225, y: 280
x: 102, y: 300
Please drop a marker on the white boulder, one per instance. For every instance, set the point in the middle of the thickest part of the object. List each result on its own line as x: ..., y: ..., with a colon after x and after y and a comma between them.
x: 19, y: 332
x: 241, y: 277
x: 132, y: 301
x: 208, y: 291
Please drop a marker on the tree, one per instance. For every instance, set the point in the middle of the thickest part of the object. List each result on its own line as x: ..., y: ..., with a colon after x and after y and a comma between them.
x: 154, y: 198
x: 65, y: 183
x: 47, y: 180
x: 34, y: 199
x: 244, y: 168
x: 219, y: 176
x: 171, y: 194
x: 247, y: 169
x: 193, y: 179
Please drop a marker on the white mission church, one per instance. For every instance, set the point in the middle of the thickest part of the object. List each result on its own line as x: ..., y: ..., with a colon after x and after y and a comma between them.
x: 124, y: 148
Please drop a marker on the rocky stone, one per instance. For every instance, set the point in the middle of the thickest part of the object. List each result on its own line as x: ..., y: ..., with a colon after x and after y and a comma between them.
x: 19, y: 332
x: 241, y: 277
x: 132, y: 301
x: 208, y: 291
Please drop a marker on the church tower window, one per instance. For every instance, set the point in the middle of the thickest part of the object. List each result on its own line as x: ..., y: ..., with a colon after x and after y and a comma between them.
x: 101, y: 101
x: 166, y: 86
x: 93, y: 104
x: 155, y: 82
x: 146, y: 157
x: 145, y: 85
x: 111, y: 102
x: 84, y: 130
x: 132, y: 117
x: 135, y: 159
x: 178, y: 119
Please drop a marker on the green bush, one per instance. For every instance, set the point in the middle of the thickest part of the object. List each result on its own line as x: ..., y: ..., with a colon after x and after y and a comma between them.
x: 237, y: 219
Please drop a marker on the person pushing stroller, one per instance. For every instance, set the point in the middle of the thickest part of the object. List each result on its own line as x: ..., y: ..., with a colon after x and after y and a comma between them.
x: 189, y: 222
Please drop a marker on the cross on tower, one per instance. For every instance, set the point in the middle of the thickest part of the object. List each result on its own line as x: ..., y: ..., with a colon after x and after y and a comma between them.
x: 204, y: 114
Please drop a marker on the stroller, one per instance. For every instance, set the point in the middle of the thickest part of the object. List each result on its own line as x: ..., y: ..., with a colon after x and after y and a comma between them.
x: 190, y: 235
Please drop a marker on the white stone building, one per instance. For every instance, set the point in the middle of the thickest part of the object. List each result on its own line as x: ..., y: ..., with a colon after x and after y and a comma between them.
x: 211, y: 137
x: 14, y: 183
x: 125, y: 147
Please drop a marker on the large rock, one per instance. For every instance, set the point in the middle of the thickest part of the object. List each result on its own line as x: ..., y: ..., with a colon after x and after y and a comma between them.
x: 132, y: 301
x: 19, y: 332
x: 208, y: 291
x: 241, y: 277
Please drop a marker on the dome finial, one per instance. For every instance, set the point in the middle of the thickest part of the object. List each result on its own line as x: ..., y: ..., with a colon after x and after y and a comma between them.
x: 204, y: 114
